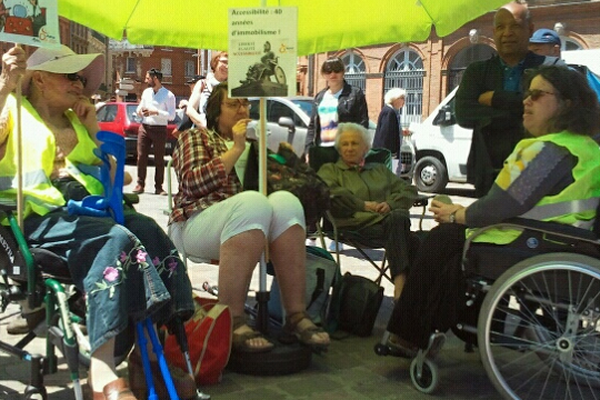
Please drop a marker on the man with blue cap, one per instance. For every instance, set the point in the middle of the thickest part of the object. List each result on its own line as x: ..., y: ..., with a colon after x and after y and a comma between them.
x: 545, y: 42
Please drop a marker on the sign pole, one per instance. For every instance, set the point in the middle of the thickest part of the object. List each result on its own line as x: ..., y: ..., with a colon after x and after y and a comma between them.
x: 20, y: 200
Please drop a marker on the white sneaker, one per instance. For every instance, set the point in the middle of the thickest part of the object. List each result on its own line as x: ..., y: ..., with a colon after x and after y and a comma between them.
x: 311, y: 242
x: 332, y: 247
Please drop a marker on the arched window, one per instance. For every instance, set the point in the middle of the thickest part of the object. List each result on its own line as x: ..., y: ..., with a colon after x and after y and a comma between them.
x: 355, y: 70
x: 463, y: 58
x: 569, y: 44
x: 405, y: 70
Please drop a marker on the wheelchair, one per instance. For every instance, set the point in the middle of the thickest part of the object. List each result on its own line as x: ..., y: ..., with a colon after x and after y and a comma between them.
x: 532, y: 308
x: 37, y: 277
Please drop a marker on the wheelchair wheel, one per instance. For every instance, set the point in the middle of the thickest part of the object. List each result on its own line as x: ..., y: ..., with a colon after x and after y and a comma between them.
x: 425, y: 378
x: 539, y: 328
x: 280, y: 75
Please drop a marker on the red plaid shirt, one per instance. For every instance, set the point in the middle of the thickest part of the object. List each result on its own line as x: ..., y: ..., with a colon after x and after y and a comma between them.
x: 201, y: 173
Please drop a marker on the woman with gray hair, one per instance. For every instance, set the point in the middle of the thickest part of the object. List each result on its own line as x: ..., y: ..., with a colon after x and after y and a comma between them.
x: 388, y: 132
x: 370, y: 199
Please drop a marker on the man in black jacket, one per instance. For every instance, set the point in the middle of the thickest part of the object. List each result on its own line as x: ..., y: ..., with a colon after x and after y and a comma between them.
x: 490, y: 97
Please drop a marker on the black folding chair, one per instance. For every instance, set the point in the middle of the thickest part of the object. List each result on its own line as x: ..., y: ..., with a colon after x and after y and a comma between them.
x: 319, y: 156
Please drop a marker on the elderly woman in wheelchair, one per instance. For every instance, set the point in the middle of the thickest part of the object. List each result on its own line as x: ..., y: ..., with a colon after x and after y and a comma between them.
x: 127, y: 272
x: 552, y: 176
x: 213, y: 219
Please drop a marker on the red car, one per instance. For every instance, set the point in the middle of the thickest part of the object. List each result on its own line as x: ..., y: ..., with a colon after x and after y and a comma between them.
x: 121, y: 118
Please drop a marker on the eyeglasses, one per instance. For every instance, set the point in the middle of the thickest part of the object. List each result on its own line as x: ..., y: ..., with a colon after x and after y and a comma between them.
x: 236, y: 105
x: 536, y: 94
x: 76, y: 77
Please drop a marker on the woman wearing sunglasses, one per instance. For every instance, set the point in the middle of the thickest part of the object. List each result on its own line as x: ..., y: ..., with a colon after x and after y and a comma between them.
x: 213, y: 219
x: 127, y: 272
x: 338, y: 102
x: 558, y: 163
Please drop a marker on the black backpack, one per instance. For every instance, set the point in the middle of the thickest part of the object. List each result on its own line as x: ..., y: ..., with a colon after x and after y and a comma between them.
x: 355, y: 304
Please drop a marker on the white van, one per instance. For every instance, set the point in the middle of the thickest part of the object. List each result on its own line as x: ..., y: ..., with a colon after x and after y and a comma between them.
x: 440, y: 146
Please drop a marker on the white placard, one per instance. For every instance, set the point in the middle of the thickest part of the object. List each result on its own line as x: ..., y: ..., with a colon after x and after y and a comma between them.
x: 30, y: 22
x: 263, y: 51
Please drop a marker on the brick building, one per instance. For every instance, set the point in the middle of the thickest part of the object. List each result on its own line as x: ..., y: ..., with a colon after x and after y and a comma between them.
x: 430, y: 70
x: 427, y: 70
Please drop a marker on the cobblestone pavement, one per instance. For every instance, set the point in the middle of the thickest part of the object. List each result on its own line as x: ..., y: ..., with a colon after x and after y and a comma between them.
x: 350, y: 370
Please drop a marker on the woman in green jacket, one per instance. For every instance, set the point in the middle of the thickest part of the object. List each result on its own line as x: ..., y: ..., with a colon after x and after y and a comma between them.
x: 371, y: 199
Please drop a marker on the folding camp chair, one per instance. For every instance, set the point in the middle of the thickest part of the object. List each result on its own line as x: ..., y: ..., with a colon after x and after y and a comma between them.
x: 322, y: 155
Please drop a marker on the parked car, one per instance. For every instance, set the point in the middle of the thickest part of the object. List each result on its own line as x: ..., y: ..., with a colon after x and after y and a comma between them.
x: 121, y: 118
x: 287, y: 121
x: 440, y: 147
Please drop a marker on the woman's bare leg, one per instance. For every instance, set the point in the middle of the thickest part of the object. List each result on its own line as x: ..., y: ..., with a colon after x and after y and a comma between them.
x: 238, y: 258
x: 288, y: 254
x: 102, y: 366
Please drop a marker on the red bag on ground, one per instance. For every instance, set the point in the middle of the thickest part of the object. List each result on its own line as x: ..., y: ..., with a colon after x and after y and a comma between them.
x: 209, y: 340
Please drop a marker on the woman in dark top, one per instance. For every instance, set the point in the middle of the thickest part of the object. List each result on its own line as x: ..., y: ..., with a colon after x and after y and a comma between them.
x: 339, y: 102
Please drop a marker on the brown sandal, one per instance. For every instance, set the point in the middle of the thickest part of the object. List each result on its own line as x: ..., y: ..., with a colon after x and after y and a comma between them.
x: 239, y: 341
x: 301, y: 326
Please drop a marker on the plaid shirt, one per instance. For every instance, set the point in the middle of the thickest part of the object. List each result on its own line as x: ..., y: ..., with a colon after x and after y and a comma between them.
x: 201, y: 173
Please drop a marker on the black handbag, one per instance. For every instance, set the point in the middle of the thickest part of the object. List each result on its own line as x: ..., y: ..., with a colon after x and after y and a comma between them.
x: 355, y: 304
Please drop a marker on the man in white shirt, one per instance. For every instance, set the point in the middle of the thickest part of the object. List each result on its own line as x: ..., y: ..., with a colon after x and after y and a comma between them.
x: 157, y: 108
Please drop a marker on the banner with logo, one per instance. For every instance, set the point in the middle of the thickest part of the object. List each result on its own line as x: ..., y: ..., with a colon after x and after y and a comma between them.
x: 31, y: 22
x: 263, y: 51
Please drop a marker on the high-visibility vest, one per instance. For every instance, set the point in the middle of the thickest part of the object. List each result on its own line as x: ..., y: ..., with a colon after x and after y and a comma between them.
x: 576, y: 204
x: 39, y: 152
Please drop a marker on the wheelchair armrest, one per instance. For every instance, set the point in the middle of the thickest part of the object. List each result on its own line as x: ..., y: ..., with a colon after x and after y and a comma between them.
x: 421, y: 200
x: 554, y: 229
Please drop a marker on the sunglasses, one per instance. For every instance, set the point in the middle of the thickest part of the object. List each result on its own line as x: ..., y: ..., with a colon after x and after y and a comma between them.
x: 536, y: 94
x: 76, y: 77
x: 335, y: 69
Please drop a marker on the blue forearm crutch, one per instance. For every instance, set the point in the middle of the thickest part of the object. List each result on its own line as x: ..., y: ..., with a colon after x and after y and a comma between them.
x: 111, y: 205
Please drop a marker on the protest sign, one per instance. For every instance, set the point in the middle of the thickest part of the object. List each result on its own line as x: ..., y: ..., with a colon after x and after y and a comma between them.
x: 263, y: 51
x: 31, y: 22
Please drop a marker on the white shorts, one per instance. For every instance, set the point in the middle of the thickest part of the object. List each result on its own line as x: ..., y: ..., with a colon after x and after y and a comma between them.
x: 201, y: 236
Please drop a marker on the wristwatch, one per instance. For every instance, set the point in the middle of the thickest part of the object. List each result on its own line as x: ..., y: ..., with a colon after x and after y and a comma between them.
x: 452, y: 218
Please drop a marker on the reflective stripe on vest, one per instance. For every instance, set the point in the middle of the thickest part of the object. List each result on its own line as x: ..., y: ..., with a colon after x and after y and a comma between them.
x: 30, y: 178
x: 554, y: 210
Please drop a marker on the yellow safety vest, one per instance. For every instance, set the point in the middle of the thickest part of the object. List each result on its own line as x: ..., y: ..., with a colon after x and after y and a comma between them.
x: 39, y: 151
x: 576, y: 204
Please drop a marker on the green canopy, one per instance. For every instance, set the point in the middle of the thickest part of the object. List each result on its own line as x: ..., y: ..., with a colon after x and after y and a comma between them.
x: 322, y: 25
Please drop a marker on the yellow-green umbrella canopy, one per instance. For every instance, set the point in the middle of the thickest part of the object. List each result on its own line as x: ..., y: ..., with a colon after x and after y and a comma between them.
x: 323, y: 25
